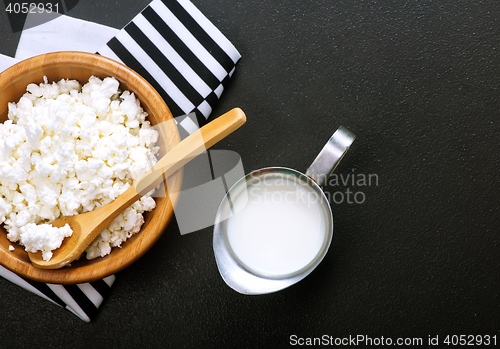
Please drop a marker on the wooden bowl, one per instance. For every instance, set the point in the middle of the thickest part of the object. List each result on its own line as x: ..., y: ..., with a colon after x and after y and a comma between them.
x: 81, y: 66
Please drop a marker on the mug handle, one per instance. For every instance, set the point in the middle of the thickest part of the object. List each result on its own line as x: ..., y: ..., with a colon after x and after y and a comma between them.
x: 331, y: 154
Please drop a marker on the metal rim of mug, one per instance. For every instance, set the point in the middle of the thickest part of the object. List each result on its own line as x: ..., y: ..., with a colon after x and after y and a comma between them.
x: 227, y: 261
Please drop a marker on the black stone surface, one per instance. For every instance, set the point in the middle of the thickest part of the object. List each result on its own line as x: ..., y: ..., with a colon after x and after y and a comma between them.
x: 419, y: 83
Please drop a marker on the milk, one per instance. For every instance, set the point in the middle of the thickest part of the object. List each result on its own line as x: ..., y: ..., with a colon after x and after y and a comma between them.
x: 278, y: 228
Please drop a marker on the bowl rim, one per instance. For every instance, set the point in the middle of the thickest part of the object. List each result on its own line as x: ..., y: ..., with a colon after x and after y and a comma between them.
x: 111, y: 264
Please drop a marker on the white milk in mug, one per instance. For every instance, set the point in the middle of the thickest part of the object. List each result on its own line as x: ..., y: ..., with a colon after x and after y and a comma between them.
x: 275, y: 225
x: 279, y: 228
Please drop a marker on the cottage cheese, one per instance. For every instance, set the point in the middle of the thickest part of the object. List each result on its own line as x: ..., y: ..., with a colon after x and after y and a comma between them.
x: 68, y: 149
x: 43, y: 237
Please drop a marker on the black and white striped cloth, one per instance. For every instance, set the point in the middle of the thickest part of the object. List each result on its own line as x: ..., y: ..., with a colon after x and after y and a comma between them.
x: 83, y: 300
x: 188, y: 61
x: 180, y: 52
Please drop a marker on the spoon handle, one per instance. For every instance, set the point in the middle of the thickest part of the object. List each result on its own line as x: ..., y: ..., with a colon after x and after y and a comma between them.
x: 189, y: 148
x: 175, y: 158
x: 88, y: 225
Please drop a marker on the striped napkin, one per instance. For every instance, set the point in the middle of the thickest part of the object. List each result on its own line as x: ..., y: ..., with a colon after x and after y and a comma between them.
x: 173, y: 46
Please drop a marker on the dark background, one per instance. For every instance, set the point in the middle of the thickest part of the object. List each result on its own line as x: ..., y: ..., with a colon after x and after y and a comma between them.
x: 418, y: 83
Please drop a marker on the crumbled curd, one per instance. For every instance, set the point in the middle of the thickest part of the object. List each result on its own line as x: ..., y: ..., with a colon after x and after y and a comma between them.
x: 68, y: 149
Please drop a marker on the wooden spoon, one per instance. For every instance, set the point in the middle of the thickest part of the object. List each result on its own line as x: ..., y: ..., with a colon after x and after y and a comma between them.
x: 87, y: 226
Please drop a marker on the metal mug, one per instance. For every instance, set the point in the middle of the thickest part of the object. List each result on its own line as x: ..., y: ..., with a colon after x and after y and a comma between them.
x: 262, y: 265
